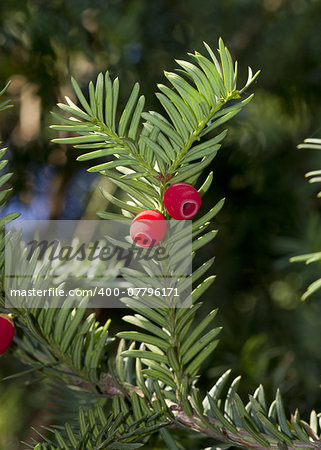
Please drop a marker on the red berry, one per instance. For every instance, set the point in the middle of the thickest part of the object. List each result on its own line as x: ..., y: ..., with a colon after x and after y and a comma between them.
x: 182, y: 201
x: 6, y: 332
x: 148, y: 228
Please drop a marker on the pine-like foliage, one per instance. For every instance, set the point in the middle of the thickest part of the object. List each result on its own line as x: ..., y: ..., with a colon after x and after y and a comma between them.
x: 96, y: 430
x: 314, y: 177
x: 153, y: 377
x: 4, y: 192
x: 168, y: 149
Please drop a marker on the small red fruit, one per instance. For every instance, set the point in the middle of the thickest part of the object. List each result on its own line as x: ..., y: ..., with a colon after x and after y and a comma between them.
x: 148, y: 228
x: 6, y: 332
x: 182, y: 201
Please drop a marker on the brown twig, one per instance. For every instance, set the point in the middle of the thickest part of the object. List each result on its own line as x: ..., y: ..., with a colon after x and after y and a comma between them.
x: 108, y: 387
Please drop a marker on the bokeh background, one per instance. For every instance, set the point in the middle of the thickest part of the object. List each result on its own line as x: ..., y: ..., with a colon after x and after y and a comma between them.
x: 271, y: 212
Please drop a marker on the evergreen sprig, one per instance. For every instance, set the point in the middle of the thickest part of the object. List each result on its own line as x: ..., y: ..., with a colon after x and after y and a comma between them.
x: 168, y: 149
x: 97, y: 430
x: 5, y: 193
x: 144, y: 152
x: 314, y: 177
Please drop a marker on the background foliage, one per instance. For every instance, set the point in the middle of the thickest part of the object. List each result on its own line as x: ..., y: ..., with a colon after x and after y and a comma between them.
x: 271, y: 214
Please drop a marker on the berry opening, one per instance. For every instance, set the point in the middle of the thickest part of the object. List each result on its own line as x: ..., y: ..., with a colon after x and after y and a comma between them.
x: 143, y: 240
x: 189, y: 209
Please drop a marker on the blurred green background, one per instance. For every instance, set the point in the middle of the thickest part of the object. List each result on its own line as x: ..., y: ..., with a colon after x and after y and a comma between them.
x: 271, y: 212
